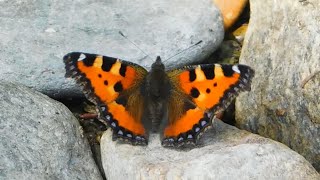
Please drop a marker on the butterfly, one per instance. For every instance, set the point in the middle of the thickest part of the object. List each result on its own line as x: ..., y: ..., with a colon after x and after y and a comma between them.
x: 180, y: 103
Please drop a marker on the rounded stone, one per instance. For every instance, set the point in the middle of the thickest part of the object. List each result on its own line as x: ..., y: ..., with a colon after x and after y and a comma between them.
x: 230, y: 10
x: 40, y: 138
x: 282, y: 46
x: 35, y: 36
x: 224, y: 152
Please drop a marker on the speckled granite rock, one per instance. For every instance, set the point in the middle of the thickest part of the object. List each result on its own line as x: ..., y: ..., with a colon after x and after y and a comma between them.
x: 36, y: 34
x: 225, y: 152
x: 40, y: 138
x: 282, y: 44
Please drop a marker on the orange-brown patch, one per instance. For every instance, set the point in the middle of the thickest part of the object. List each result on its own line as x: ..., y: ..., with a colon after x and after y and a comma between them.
x: 106, y: 92
x: 185, y: 123
x: 184, y: 77
x: 124, y: 119
x: 208, y: 100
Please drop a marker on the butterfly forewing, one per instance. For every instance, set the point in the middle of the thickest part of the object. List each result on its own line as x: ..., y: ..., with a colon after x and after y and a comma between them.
x: 113, y: 85
x: 201, y: 91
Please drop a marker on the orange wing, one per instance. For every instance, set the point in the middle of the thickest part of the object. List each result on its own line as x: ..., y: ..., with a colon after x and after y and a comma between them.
x: 113, y: 85
x: 198, y: 93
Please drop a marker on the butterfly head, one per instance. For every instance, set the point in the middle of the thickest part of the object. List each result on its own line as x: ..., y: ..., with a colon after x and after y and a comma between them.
x: 158, y: 64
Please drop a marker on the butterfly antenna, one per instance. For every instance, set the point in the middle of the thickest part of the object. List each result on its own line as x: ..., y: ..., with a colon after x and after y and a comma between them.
x: 196, y: 44
x: 134, y: 44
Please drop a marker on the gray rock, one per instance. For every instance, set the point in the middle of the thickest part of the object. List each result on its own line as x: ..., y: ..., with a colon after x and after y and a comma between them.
x: 282, y: 44
x: 225, y: 152
x: 40, y: 138
x: 36, y: 34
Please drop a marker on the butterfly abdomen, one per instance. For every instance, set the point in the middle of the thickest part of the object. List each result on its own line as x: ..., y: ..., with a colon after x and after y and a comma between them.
x: 156, y: 91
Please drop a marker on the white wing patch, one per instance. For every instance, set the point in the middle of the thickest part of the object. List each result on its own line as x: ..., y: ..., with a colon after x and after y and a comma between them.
x: 236, y: 69
x: 81, y: 57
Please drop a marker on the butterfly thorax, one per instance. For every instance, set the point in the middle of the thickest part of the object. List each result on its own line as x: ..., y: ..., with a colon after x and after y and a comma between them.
x: 156, y: 91
x: 157, y: 82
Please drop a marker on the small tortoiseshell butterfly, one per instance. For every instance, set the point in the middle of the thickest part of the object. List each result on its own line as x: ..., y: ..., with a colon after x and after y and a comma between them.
x: 179, y: 103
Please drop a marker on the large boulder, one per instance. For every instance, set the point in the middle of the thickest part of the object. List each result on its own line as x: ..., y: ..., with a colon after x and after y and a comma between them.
x: 40, y: 138
x: 282, y: 44
x: 224, y: 152
x: 36, y: 34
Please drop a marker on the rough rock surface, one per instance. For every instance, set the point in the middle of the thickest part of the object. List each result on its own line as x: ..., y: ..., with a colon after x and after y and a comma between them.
x: 225, y: 152
x: 36, y: 34
x: 282, y: 44
x: 40, y: 138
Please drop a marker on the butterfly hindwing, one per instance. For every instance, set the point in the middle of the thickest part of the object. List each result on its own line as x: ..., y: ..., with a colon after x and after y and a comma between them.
x: 199, y: 92
x: 114, y: 86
